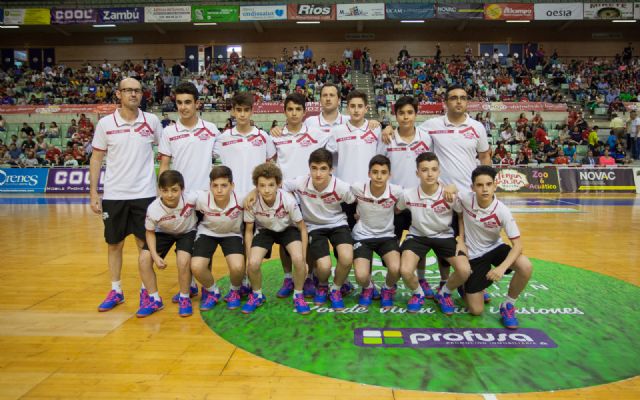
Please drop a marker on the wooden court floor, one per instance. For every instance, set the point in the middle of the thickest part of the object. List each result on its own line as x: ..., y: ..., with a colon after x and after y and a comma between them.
x: 54, y: 344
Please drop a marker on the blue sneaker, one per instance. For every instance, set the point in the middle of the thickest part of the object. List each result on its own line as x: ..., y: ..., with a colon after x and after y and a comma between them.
x: 245, y: 290
x: 428, y: 292
x: 185, y: 309
x: 193, y: 292
x: 113, y: 299
x: 508, y: 313
x: 376, y: 293
x: 321, y: 295
x: 144, y: 296
x: 309, y: 288
x: 446, y: 303
x: 286, y: 289
x: 346, y: 288
x: 386, y: 300
x: 366, y: 297
x: 415, y: 303
x: 233, y: 299
x: 254, y: 302
x: 336, y: 300
x: 208, y: 300
x: 301, y: 306
x: 149, y: 308
x: 486, y: 297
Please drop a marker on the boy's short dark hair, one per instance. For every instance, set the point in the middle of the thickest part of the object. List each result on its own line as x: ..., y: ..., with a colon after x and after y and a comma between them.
x: 169, y: 178
x: 266, y: 170
x: 379, y: 159
x: 187, y: 88
x: 451, y: 88
x: 330, y: 85
x: 357, y: 94
x: 483, y: 170
x: 403, y: 101
x: 321, y: 155
x: 426, y: 156
x: 242, y: 99
x: 221, y: 171
x: 295, y: 98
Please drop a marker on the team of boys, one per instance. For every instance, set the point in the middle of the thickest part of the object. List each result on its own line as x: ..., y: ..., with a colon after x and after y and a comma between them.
x: 327, y: 179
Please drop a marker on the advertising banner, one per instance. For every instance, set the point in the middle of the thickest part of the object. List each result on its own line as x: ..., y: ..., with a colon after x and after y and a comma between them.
x: 508, y: 11
x: 263, y: 13
x: 360, y: 11
x: 62, y: 16
x: 410, y: 10
x: 276, y: 107
x: 311, y: 12
x: 167, y: 14
x: 23, y: 180
x: 558, y: 11
x: 583, y: 180
x: 608, y: 10
x: 61, y: 109
x: 460, y: 11
x: 27, y: 16
x: 476, y: 106
x: 528, y: 179
x: 71, y: 180
x: 121, y: 15
x: 215, y: 13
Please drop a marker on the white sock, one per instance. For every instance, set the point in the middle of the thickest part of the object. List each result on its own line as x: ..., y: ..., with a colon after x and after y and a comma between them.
x: 142, y: 287
x: 288, y: 275
x: 445, y: 290
x: 184, y: 295
x: 385, y: 286
x: 370, y: 286
x: 155, y: 296
x: 419, y: 291
x: 258, y: 292
x: 297, y: 292
x: 234, y: 287
x: 510, y: 300
x: 193, y: 282
x: 213, y: 289
x: 335, y: 287
x: 245, y: 281
x: 421, y: 272
x: 116, y: 286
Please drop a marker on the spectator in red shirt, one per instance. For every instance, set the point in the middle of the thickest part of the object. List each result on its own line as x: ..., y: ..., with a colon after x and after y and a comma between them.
x: 357, y: 57
x: 541, y: 135
x: 562, y: 159
x: 52, y: 155
x: 508, y: 160
x: 499, y: 153
x: 606, y: 159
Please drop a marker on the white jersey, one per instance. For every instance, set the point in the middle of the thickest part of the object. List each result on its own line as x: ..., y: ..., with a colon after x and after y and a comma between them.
x: 318, y: 121
x: 293, y: 150
x: 174, y: 221
x: 431, y: 216
x: 191, y: 151
x: 354, y: 147
x: 242, y: 153
x: 130, y: 172
x: 284, y: 213
x: 217, y: 221
x: 482, y: 226
x: 403, y: 157
x: 376, y: 213
x: 457, y: 147
x: 321, y: 209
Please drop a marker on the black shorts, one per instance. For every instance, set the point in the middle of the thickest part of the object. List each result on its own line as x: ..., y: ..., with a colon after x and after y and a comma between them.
x: 420, y: 245
x: 124, y: 217
x: 481, y: 266
x: 266, y: 237
x: 401, y: 223
x: 319, y: 240
x: 365, y: 248
x: 206, y: 245
x: 350, y: 210
x: 164, y: 241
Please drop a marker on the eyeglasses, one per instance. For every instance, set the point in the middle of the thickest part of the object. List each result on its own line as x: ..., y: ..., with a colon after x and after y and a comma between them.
x: 456, y: 98
x: 131, y: 91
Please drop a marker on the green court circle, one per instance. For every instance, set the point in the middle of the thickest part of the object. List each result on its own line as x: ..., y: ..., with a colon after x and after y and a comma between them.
x: 591, y: 317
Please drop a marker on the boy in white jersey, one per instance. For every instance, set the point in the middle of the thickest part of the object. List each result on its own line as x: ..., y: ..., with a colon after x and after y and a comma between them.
x: 125, y: 138
x: 278, y: 219
x: 320, y: 196
x: 431, y: 228
x: 187, y: 146
x: 485, y: 217
x: 293, y: 148
x: 406, y: 143
x: 373, y: 232
x: 170, y: 219
x: 221, y: 225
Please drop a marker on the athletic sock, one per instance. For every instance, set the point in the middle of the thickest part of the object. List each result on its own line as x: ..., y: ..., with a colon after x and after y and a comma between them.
x: 370, y: 286
x: 193, y: 282
x: 245, y: 281
x: 445, y: 290
x: 419, y: 291
x: 258, y: 292
x: 117, y: 286
x: 385, y: 286
x: 421, y: 273
x: 142, y: 287
x: 510, y: 300
x: 234, y: 287
x: 288, y: 275
x: 297, y: 292
x: 184, y: 295
x: 213, y: 289
x: 155, y: 296
x: 334, y: 287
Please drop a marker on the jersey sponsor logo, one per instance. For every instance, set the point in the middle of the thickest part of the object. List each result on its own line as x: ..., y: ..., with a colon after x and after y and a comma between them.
x: 419, y: 205
x: 283, y: 142
x: 171, y: 139
x: 369, y: 137
x: 392, y: 149
x: 344, y: 139
x: 230, y: 142
x: 116, y: 131
x: 307, y: 194
x: 441, y: 132
x: 167, y: 218
x: 330, y: 198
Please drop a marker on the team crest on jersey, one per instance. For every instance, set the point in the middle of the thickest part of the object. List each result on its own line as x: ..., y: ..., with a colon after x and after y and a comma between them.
x: 491, y: 224
x: 144, y: 130
x: 332, y: 198
x: 420, y: 148
x: 387, y: 203
x: 469, y: 133
x: 257, y: 140
x: 234, y: 213
x: 369, y: 137
x: 440, y: 209
x: 203, y: 134
x: 281, y: 212
x: 306, y: 140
